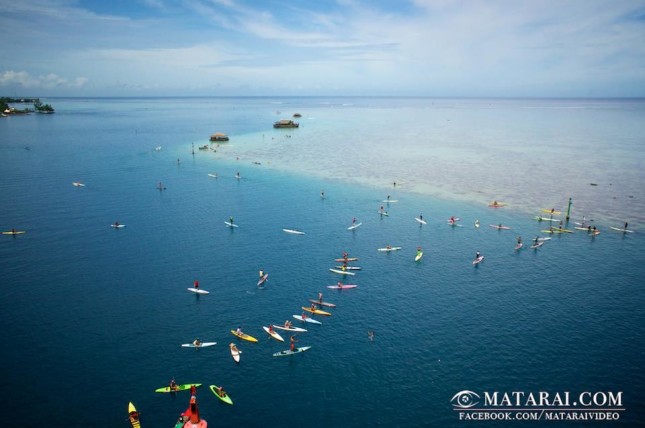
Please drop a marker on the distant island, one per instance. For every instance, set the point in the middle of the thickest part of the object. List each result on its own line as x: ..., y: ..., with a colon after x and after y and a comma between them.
x: 39, y: 107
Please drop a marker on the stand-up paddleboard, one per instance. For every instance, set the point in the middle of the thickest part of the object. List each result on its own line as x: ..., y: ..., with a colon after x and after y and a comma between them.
x: 478, y: 260
x: 316, y: 311
x: 197, y: 290
x: 550, y: 211
x: 420, y: 220
x: 290, y: 352
x: 538, y: 245
x: 223, y: 396
x: 263, y: 279
x: 78, y: 184
x: 557, y: 230
x: 497, y: 205
x: 229, y: 224
x: 341, y: 272
x: 13, y: 232
x: 348, y: 259
x: 354, y: 226
x: 390, y: 201
x: 294, y: 329
x: 621, y: 229
x: 273, y: 334
x: 519, y: 246
x: 343, y: 287
x: 418, y: 256
x: 177, y: 388
x: 244, y: 336
x: 477, y: 224
x: 327, y: 304
x: 538, y: 218
x: 133, y: 416
x: 349, y: 267
x: 293, y: 231
x: 498, y: 227
x: 383, y: 213
x: 212, y: 175
x: 117, y: 226
x: 201, y: 345
x: 455, y: 224
x: 235, y: 353
x: 388, y: 249
x: 309, y: 320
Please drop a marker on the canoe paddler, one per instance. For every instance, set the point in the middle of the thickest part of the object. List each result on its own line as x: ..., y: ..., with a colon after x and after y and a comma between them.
x: 340, y: 284
x: 287, y: 324
x: 173, y: 385
x: 197, y: 342
x: 313, y: 307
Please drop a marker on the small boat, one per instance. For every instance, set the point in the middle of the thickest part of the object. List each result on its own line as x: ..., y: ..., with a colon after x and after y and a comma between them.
x: 221, y: 394
x: 286, y: 123
x: 341, y: 272
x: 219, y: 137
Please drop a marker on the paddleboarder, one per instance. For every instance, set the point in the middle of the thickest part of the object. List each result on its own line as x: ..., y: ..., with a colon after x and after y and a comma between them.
x: 292, y: 342
x: 196, y: 285
x: 320, y: 297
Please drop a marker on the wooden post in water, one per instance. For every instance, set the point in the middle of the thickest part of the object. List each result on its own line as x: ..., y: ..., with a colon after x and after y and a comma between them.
x: 569, y: 209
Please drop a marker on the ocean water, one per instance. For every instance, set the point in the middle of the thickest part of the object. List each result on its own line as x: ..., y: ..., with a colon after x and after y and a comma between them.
x: 93, y: 317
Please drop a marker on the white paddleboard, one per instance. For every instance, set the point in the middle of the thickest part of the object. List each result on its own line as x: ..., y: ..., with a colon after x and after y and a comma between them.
x: 420, y: 220
x: 292, y: 328
x: 290, y: 352
x: 342, y: 272
x: 212, y: 175
x: 197, y: 290
x: 293, y: 231
x: 310, y: 320
x: 231, y: 225
x: 620, y: 229
x: 383, y: 213
x: 354, y: 226
x: 117, y: 226
x: 478, y: 260
x: 386, y: 249
x: 201, y: 345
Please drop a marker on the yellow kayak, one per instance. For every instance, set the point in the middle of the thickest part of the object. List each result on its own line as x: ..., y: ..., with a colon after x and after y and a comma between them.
x: 133, y: 415
x: 244, y: 336
x: 316, y: 311
x: 554, y: 212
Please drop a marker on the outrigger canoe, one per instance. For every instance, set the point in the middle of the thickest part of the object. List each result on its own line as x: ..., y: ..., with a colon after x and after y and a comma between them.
x: 244, y: 336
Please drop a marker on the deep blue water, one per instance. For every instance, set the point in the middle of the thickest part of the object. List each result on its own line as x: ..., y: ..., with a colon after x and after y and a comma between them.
x: 92, y: 317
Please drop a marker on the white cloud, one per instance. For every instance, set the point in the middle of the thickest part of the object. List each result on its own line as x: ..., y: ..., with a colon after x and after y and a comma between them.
x: 51, y: 80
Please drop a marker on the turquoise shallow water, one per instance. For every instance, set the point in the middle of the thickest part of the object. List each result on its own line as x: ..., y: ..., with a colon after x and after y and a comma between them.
x: 93, y: 317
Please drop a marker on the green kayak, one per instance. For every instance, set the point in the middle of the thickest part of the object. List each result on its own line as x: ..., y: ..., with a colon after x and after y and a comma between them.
x: 224, y: 396
x: 178, y: 387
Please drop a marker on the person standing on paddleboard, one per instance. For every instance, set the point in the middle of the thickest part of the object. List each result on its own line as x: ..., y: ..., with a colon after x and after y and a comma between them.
x: 292, y: 342
x: 196, y: 285
x: 320, y: 296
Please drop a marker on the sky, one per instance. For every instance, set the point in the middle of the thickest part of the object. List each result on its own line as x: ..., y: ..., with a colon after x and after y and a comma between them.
x: 435, y: 48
